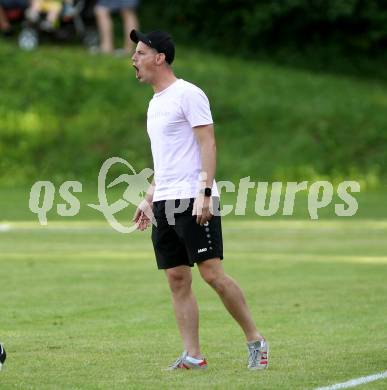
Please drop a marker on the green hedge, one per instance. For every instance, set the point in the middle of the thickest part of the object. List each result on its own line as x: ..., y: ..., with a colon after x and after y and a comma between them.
x: 63, y: 112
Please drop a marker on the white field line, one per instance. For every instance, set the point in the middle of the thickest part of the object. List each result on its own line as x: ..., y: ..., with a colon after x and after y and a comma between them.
x: 355, y: 382
x: 55, y: 226
x: 4, y: 227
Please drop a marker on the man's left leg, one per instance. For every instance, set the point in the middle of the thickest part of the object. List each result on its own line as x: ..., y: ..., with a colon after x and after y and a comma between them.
x: 233, y: 299
x: 231, y: 295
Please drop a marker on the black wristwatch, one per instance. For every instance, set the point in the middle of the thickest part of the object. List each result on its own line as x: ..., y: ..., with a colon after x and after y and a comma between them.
x: 206, y: 192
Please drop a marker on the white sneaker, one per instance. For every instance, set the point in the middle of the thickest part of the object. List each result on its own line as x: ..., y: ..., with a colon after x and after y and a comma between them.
x: 188, y: 363
x: 258, y: 358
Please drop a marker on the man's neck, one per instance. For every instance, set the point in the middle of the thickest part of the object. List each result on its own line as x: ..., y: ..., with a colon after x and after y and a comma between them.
x: 164, y: 80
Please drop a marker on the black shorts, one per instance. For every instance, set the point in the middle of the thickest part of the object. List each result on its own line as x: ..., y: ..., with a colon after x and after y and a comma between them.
x: 185, y: 242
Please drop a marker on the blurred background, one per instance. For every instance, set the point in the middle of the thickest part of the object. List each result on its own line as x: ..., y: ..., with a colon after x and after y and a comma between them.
x: 297, y: 89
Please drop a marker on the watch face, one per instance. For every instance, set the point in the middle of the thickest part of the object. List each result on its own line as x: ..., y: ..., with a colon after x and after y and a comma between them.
x: 207, y: 191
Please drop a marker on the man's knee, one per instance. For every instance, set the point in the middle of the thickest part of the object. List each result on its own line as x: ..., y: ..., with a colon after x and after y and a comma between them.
x: 212, y: 272
x: 179, y: 280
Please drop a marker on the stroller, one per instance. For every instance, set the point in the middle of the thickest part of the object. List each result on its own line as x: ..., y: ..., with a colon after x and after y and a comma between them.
x: 80, y: 26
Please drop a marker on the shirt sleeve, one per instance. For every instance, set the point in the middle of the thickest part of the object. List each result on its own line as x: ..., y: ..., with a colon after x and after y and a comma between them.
x: 196, y: 107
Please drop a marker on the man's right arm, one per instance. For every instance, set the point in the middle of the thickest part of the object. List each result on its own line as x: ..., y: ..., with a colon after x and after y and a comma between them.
x: 144, y: 215
x: 149, y: 193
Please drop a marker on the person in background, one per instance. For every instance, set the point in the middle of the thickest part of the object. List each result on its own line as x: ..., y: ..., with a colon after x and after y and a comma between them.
x: 53, y: 10
x: 127, y: 9
x: 5, y: 26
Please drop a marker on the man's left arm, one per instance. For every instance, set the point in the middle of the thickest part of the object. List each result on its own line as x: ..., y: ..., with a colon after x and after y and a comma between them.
x: 205, y: 137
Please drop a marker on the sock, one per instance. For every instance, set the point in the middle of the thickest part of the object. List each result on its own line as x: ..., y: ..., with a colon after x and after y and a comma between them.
x: 254, y: 343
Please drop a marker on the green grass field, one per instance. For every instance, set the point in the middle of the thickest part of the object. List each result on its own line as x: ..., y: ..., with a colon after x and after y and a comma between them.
x: 83, y: 307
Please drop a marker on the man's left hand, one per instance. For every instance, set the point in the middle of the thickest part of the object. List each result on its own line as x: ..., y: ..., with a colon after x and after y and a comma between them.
x: 202, y: 208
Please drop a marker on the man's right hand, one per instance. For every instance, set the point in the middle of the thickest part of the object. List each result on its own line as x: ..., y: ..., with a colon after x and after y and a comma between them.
x: 143, y: 216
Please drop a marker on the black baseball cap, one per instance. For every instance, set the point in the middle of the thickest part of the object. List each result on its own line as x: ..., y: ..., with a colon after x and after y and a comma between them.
x: 158, y: 40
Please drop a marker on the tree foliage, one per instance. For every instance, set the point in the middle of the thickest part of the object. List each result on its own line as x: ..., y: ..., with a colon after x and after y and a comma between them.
x: 248, y: 25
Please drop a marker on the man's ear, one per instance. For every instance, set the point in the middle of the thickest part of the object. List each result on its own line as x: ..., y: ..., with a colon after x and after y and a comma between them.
x: 160, y: 58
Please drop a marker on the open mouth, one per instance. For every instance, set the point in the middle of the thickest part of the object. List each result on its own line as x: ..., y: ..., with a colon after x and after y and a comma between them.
x: 137, y: 70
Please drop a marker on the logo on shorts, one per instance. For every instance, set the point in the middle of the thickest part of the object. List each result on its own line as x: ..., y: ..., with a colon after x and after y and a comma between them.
x: 202, y: 250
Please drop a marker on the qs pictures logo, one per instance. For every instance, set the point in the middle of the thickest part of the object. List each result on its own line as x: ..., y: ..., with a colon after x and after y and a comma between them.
x: 42, y: 195
x: 270, y: 198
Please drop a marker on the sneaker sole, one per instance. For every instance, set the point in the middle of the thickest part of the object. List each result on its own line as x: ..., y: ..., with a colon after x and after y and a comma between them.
x: 195, y: 367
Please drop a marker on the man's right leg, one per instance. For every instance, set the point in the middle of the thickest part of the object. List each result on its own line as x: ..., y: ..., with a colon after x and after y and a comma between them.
x: 186, y: 308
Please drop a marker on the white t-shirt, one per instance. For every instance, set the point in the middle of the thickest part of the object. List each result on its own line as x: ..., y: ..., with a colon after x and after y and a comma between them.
x: 172, y: 113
